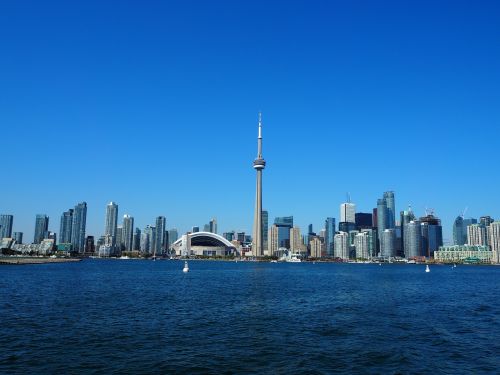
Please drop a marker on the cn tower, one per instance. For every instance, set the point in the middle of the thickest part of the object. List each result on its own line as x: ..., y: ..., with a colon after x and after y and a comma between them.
x: 259, y: 164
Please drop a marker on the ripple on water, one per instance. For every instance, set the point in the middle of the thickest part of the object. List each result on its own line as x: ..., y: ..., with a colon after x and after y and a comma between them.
x: 108, y: 317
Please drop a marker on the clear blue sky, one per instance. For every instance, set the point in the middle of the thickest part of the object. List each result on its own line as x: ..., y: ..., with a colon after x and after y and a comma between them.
x: 154, y: 105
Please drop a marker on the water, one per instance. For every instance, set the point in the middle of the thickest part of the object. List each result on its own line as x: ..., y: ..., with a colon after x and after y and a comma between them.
x: 132, y: 316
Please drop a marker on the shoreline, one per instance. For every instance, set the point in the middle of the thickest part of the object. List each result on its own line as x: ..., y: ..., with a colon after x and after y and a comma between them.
x: 13, y: 261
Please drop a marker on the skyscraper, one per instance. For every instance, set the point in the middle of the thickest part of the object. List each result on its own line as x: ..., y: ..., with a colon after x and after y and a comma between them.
x: 412, y: 239
x: 284, y: 224
x: 391, y: 209
x: 388, y: 240
x: 406, y: 217
x: 213, y: 226
x: 341, y: 248
x: 18, y: 237
x: 6, y: 226
x: 273, y: 240
x: 329, y: 235
x: 173, y: 236
x: 78, y: 227
x: 476, y: 235
x: 41, y: 228
x: 161, y: 223
x: 432, y: 235
x: 381, y: 218
x: 362, y: 245
x: 316, y: 247
x: 364, y: 220
x: 66, y: 226
x: 127, y: 232
x: 259, y: 164
x: 295, y: 240
x: 348, y: 213
x: 265, y: 228
x: 147, y: 240
x: 111, y: 221
x: 136, y: 240
x: 460, y: 229
x: 494, y: 240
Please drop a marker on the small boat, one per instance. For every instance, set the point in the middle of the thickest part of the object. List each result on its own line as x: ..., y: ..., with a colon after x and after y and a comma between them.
x: 186, y: 267
x: 427, y: 269
x: 294, y: 259
x: 454, y: 265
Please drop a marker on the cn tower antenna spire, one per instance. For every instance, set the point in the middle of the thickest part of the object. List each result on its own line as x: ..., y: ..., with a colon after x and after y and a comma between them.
x: 258, y: 164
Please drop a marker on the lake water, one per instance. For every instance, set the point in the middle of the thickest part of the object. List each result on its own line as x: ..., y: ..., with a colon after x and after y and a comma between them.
x: 133, y: 316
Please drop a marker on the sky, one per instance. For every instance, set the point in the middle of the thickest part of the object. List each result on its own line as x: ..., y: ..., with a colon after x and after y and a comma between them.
x: 154, y: 105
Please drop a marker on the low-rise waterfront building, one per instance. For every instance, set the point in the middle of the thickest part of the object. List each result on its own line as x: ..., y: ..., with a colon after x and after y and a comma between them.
x: 463, y: 253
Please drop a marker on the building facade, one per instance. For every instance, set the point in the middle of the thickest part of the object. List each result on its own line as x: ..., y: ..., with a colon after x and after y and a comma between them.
x: 6, y: 222
x: 41, y: 228
x: 341, y: 248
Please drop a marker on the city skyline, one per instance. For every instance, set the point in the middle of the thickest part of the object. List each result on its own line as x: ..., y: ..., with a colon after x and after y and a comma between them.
x: 354, y: 99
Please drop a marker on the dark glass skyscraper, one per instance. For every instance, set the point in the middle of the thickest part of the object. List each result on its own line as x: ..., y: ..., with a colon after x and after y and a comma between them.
x: 381, y: 218
x: 391, y: 209
x: 329, y: 235
x: 265, y: 227
x: 363, y: 220
x: 6, y: 226
x: 65, y: 228
x: 284, y: 224
x: 128, y: 232
x: 432, y: 235
x: 159, y: 244
x: 78, y: 227
x: 41, y: 228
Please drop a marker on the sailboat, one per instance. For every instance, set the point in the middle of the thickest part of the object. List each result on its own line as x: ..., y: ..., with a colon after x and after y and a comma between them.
x: 427, y: 269
x: 186, y: 267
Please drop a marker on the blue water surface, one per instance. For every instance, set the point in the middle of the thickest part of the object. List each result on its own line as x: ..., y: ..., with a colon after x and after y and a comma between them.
x: 137, y: 316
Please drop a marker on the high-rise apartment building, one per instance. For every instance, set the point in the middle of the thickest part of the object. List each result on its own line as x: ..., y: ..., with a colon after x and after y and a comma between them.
x: 329, y: 236
x: 412, y: 239
x: 362, y: 245
x: 476, y: 235
x: 128, y: 232
x: 18, y: 237
x: 173, y: 235
x: 6, y: 226
x: 136, y: 240
x: 161, y: 223
x: 111, y: 222
x: 295, y: 240
x: 273, y: 240
x: 460, y: 230
x: 265, y: 229
x: 41, y: 228
x: 212, y: 226
x: 147, y: 240
x: 388, y: 240
x: 494, y: 240
x: 78, y: 227
x: 316, y: 247
x: 66, y: 226
x: 391, y: 209
x: 341, y: 248
x: 382, y: 219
